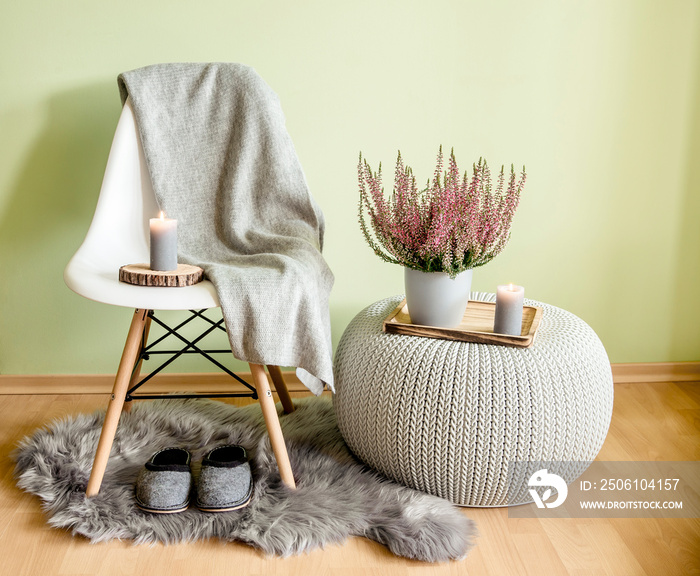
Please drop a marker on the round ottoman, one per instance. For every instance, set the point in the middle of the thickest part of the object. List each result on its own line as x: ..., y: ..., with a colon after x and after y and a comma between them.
x: 448, y: 417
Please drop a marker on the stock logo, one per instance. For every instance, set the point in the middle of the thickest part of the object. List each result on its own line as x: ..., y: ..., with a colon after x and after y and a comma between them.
x: 542, y: 478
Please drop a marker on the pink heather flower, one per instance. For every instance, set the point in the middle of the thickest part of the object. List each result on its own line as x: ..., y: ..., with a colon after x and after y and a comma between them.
x: 453, y: 224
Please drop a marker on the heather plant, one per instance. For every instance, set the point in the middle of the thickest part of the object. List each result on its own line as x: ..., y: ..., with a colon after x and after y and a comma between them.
x: 455, y: 223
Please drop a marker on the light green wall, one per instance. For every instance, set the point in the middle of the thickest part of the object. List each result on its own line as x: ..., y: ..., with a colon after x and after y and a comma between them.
x: 600, y: 100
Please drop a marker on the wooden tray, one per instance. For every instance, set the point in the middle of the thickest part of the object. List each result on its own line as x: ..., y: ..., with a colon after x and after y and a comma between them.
x: 142, y: 275
x: 476, y: 326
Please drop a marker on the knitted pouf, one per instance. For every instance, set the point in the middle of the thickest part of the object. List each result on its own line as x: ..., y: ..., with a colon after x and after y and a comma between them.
x: 448, y: 417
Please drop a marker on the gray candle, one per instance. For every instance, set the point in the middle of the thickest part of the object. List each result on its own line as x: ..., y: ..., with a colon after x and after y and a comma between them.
x: 163, y: 243
x: 509, y: 310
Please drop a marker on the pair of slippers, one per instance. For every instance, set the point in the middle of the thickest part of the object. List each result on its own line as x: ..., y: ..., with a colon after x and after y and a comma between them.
x: 165, y: 483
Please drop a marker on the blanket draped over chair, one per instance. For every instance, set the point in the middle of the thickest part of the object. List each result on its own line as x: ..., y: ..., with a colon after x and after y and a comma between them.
x: 222, y: 163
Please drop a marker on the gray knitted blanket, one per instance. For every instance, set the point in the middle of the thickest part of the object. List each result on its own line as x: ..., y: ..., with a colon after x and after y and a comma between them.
x: 222, y: 163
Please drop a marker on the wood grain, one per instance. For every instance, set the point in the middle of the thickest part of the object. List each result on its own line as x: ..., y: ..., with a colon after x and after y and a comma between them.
x: 142, y: 275
x: 476, y: 326
x: 280, y: 383
x: 114, y: 409
x: 650, y: 420
x: 272, y: 422
x: 218, y: 382
x: 196, y: 382
x: 657, y: 372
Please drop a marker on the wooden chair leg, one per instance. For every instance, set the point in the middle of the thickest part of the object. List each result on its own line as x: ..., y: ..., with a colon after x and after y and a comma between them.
x: 262, y: 385
x: 281, y: 388
x: 137, y: 369
x: 116, y: 402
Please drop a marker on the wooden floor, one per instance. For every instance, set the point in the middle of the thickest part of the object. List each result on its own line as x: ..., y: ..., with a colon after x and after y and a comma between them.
x: 650, y: 422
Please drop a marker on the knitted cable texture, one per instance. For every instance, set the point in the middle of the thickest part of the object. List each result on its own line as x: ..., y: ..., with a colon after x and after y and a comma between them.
x: 448, y: 418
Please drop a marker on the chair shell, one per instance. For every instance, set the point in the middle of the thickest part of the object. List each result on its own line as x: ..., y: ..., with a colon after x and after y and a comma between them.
x: 119, y: 234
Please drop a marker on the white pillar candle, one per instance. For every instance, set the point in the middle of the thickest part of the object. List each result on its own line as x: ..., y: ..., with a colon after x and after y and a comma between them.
x: 509, y: 310
x: 163, y: 243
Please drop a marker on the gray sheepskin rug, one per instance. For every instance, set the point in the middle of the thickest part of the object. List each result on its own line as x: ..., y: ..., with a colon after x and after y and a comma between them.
x: 336, y: 495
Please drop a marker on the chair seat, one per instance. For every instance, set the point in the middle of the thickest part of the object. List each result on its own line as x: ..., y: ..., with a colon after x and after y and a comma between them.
x: 103, y: 285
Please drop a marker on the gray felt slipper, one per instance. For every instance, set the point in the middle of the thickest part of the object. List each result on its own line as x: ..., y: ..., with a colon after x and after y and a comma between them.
x: 225, y: 482
x: 164, y: 484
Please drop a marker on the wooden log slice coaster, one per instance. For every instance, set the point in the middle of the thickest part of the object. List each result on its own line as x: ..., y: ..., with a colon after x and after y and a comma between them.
x: 142, y: 275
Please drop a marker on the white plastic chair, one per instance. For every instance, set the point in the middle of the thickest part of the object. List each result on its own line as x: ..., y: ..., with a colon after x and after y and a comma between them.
x: 119, y: 235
